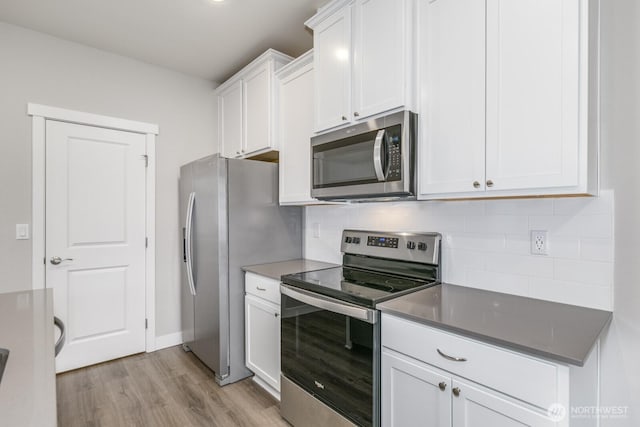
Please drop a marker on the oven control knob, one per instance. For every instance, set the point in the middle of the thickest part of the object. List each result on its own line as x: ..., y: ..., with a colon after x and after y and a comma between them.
x: 411, y: 245
x: 422, y: 246
x: 356, y: 240
x: 348, y: 240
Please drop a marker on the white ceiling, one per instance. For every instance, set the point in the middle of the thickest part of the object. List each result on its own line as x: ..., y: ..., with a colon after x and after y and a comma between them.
x: 197, y: 37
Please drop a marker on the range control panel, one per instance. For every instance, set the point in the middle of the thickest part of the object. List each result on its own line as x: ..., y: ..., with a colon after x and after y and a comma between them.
x: 382, y: 241
x: 417, y: 247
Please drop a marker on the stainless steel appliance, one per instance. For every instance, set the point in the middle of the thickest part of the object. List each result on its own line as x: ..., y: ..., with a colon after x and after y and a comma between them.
x: 371, y: 160
x: 230, y: 217
x: 330, y: 328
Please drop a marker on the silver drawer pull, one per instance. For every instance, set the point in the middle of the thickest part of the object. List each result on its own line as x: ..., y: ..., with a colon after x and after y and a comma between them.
x: 454, y: 359
x: 261, y: 289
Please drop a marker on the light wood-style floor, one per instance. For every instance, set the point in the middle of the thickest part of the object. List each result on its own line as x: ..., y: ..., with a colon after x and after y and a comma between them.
x: 165, y: 388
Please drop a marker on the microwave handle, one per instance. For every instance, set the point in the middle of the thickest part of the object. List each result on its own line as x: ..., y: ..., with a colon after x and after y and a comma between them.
x: 377, y: 155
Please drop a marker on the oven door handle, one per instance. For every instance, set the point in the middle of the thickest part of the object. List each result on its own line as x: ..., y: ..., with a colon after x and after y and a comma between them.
x: 377, y: 155
x: 331, y: 304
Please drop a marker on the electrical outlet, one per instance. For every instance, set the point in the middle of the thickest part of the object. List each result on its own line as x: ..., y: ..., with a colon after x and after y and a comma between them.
x: 539, y: 242
x: 316, y: 230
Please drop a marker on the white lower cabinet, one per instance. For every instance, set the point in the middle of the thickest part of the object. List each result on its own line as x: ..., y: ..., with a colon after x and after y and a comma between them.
x: 413, y: 394
x: 491, y: 387
x: 262, y: 331
x: 474, y: 405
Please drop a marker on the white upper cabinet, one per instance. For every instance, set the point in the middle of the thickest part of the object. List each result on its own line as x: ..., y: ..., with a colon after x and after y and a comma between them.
x: 363, y: 59
x: 246, y: 108
x: 508, y: 98
x: 381, y: 56
x: 451, y: 155
x: 533, y: 96
x: 257, y: 108
x: 295, y: 127
x: 332, y: 58
x: 230, y: 119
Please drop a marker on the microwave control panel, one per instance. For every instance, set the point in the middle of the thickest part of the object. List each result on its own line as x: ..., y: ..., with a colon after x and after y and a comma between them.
x: 394, y: 139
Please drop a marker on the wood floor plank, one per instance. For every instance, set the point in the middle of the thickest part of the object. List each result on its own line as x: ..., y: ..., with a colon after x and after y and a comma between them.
x: 166, y: 388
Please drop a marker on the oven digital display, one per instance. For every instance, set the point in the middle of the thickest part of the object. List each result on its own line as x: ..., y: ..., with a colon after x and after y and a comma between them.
x: 381, y: 241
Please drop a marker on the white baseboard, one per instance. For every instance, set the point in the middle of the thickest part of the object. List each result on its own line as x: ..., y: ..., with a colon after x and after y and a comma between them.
x: 273, y: 392
x: 168, y: 340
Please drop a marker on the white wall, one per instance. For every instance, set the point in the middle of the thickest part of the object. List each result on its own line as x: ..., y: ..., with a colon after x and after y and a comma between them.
x: 41, y: 69
x: 486, y: 243
x: 621, y: 153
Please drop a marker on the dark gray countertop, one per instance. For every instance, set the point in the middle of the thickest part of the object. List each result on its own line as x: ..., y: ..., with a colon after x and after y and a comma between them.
x: 560, y: 332
x: 275, y: 270
x: 28, y: 387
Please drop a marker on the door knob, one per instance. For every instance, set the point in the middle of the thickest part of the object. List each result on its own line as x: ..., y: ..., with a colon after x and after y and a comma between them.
x: 57, y: 260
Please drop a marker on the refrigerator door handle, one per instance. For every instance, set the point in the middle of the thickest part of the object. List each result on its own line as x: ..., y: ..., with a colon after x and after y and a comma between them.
x: 188, y: 243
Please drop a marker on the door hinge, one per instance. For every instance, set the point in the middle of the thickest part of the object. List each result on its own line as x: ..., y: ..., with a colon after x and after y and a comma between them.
x: 44, y: 260
x: 146, y: 323
x: 146, y: 160
x: 146, y: 242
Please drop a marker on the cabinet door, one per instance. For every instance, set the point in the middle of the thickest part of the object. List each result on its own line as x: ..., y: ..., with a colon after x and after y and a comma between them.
x: 533, y: 73
x: 294, y: 130
x: 414, y: 394
x: 257, y: 109
x: 452, y: 64
x: 332, y: 64
x: 262, y: 340
x: 476, y: 406
x: 230, y: 120
x: 382, y: 33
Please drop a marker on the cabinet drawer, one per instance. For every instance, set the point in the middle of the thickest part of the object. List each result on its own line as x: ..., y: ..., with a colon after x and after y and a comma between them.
x: 263, y: 287
x: 532, y: 380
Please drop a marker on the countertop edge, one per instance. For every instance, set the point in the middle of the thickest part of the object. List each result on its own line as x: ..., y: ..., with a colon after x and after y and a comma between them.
x: 487, y: 339
x: 275, y: 270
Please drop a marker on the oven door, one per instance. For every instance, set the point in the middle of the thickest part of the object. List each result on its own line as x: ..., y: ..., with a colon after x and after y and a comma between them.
x: 331, y: 349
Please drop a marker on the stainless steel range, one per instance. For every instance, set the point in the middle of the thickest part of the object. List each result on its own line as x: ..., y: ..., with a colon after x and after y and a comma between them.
x: 330, y: 328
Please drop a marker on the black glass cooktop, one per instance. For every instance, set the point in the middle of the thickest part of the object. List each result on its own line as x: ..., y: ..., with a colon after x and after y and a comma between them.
x: 353, y: 285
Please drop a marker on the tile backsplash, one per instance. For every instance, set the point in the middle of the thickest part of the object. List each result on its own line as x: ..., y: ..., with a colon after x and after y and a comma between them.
x: 486, y: 243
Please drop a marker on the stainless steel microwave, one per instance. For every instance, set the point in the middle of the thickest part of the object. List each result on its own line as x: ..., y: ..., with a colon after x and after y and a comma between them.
x: 372, y: 160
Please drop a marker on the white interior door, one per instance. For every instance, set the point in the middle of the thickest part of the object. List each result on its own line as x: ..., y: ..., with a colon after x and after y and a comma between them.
x: 95, y: 225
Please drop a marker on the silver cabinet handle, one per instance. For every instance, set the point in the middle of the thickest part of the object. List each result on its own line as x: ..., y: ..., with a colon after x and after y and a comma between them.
x: 489, y: 183
x: 344, y: 118
x: 476, y: 184
x: 442, y: 385
x: 57, y: 260
x: 356, y: 114
x: 261, y: 289
x: 456, y: 391
x: 453, y: 359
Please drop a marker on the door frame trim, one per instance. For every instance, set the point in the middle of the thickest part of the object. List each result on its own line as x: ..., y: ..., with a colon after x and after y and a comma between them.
x: 40, y: 114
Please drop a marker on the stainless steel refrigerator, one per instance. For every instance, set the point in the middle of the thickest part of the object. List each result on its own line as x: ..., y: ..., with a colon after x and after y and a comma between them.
x: 230, y: 217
